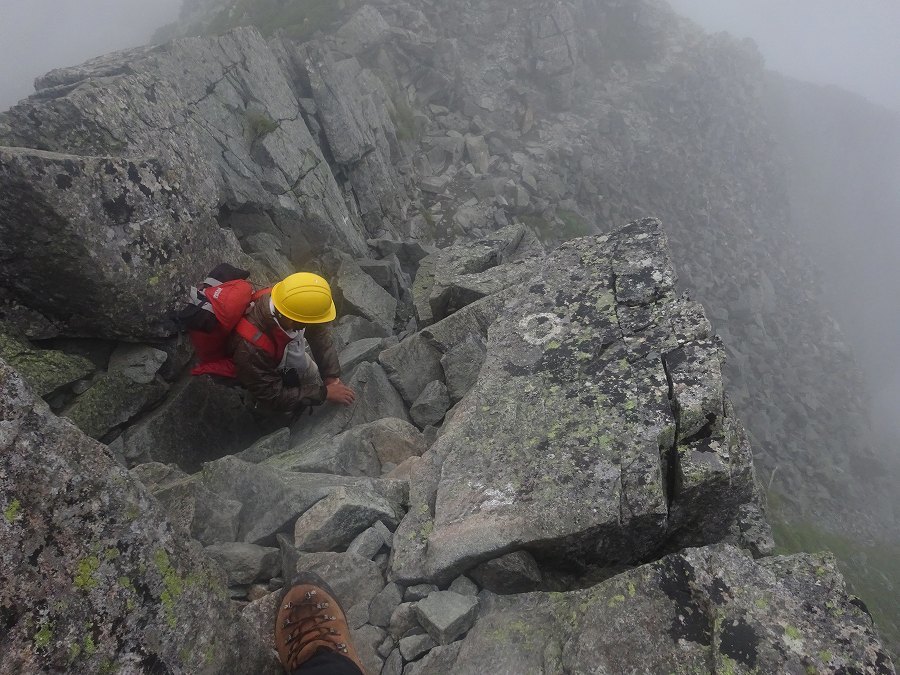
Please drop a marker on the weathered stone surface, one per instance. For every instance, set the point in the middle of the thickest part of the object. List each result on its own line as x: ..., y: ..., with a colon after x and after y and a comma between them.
x: 334, y: 522
x: 199, y: 422
x: 273, y: 499
x: 464, y: 586
x: 274, y: 444
x: 45, y: 370
x: 411, y: 365
x: 383, y: 605
x: 112, y: 400
x: 358, y: 352
x: 478, y: 153
x: 438, y: 660
x: 94, y: 259
x: 367, y: 544
x: 376, y: 399
x: 354, y: 580
x: 245, y: 563
x: 259, y: 617
x: 361, y: 451
x: 139, y: 363
x: 350, y: 328
x: 358, y: 293
x: 416, y: 646
x: 419, y: 592
x: 447, y: 615
x: 367, y: 640
x: 92, y: 572
x: 209, y: 518
x: 461, y: 366
x: 393, y: 664
x: 431, y: 405
x: 364, y: 30
x: 405, y: 621
x: 512, y: 573
x: 565, y: 443
x: 686, y: 611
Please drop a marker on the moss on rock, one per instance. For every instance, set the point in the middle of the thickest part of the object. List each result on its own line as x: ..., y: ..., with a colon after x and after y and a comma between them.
x: 46, y: 370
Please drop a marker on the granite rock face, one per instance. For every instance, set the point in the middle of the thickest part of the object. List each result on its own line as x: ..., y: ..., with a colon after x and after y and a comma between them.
x: 702, y: 610
x: 93, y: 576
x: 595, y: 428
x: 222, y: 143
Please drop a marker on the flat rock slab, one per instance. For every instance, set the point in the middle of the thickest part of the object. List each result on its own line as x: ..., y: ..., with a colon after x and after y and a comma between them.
x: 245, y: 563
x: 704, y: 610
x: 333, y: 523
x: 565, y: 445
x: 273, y: 499
x: 447, y: 615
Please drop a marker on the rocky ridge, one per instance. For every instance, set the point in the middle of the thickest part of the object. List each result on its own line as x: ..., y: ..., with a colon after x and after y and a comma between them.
x: 278, y: 154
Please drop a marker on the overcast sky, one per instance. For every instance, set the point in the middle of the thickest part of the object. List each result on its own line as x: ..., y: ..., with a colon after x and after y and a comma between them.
x: 852, y: 43
x: 37, y: 36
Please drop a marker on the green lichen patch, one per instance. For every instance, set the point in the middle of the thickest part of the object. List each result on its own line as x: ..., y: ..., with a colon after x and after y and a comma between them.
x: 12, y: 511
x: 173, y: 586
x: 85, y: 575
x: 46, y: 370
x: 43, y: 636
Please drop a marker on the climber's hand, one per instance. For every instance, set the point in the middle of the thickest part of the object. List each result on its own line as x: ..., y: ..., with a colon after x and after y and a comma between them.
x: 338, y: 392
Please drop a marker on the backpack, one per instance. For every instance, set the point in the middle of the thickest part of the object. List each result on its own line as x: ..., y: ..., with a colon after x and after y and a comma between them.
x: 215, y: 310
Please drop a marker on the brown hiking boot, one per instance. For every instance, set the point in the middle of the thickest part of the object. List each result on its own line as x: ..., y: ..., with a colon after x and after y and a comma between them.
x: 309, y: 619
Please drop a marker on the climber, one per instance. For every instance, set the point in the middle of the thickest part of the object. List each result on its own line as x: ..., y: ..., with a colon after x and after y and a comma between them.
x: 273, y: 363
x: 311, y: 631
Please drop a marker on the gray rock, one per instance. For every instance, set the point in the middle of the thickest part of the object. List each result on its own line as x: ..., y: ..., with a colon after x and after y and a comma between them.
x: 85, y: 545
x: 45, y: 370
x: 98, y: 251
x: 363, y: 31
x: 558, y: 344
x: 681, y: 612
x: 259, y: 617
x: 376, y: 399
x: 438, y: 660
x: 357, y: 352
x: 274, y: 444
x: 431, y: 405
x: 478, y: 153
x: 355, y: 580
x: 411, y: 365
x: 199, y: 422
x: 418, y: 592
x: 393, y: 664
x: 367, y: 544
x: 386, y: 647
x: 447, y: 615
x: 358, y: 616
x: 112, y: 400
x: 246, y: 563
x: 273, y: 499
x: 289, y: 556
x: 512, y: 573
x: 349, y: 329
x: 416, y: 646
x: 358, y: 293
x: 367, y: 640
x: 139, y: 363
x: 435, y: 184
x: 361, y: 451
x: 383, y: 605
x: 464, y: 586
x: 334, y: 522
x: 404, y: 621
x: 461, y: 365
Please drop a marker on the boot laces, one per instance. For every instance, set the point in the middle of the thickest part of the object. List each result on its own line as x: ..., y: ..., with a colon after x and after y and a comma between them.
x: 310, y: 628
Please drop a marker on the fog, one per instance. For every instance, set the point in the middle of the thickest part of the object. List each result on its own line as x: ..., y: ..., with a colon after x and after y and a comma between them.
x: 37, y: 36
x: 851, y: 44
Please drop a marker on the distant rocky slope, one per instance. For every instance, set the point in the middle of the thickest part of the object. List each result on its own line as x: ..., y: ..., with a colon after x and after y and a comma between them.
x: 538, y: 418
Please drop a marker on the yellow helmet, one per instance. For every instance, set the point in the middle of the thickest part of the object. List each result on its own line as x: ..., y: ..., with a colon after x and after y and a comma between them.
x: 304, y: 297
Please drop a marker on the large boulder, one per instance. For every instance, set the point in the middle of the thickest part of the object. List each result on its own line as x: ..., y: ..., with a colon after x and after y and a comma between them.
x: 112, y: 401
x: 273, y: 499
x: 94, y: 578
x: 184, y: 149
x: 199, y: 422
x: 711, y: 609
x: 45, y: 370
x: 117, y: 246
x: 570, y: 444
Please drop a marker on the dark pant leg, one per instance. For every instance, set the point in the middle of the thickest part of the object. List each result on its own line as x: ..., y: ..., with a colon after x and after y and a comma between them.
x: 328, y: 663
